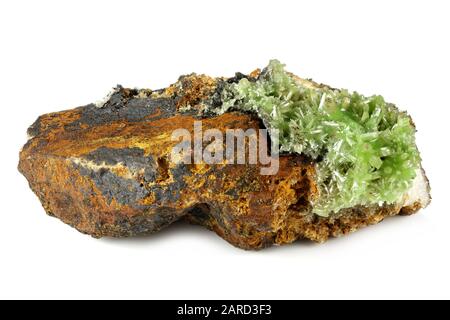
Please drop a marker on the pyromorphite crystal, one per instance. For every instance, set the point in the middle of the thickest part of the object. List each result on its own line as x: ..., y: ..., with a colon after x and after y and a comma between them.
x: 364, y: 147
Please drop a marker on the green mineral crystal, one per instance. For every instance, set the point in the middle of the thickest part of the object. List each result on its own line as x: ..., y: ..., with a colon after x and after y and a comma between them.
x: 364, y: 147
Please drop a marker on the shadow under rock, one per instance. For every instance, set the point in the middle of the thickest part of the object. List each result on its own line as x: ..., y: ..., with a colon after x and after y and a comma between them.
x: 179, y: 229
x: 182, y: 230
x: 388, y: 225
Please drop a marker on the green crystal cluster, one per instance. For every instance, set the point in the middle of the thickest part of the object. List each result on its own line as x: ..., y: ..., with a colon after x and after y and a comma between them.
x: 364, y: 147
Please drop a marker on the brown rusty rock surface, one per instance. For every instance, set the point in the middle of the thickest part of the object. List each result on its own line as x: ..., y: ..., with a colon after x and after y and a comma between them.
x: 107, y: 172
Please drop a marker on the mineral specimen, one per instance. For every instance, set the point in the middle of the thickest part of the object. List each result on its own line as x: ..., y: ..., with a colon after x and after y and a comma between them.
x: 346, y: 161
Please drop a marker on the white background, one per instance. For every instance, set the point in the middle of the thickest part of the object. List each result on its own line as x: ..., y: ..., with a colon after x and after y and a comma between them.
x: 56, y: 55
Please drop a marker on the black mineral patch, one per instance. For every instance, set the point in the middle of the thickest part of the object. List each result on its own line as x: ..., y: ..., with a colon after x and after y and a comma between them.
x: 238, y: 76
x: 122, y: 105
x: 35, y: 128
x: 124, y: 191
x: 133, y: 110
x: 131, y: 191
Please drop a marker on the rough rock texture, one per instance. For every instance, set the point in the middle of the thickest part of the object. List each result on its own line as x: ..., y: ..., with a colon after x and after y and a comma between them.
x: 106, y: 171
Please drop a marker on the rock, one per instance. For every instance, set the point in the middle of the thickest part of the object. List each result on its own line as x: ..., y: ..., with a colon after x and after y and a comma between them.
x: 107, y: 170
